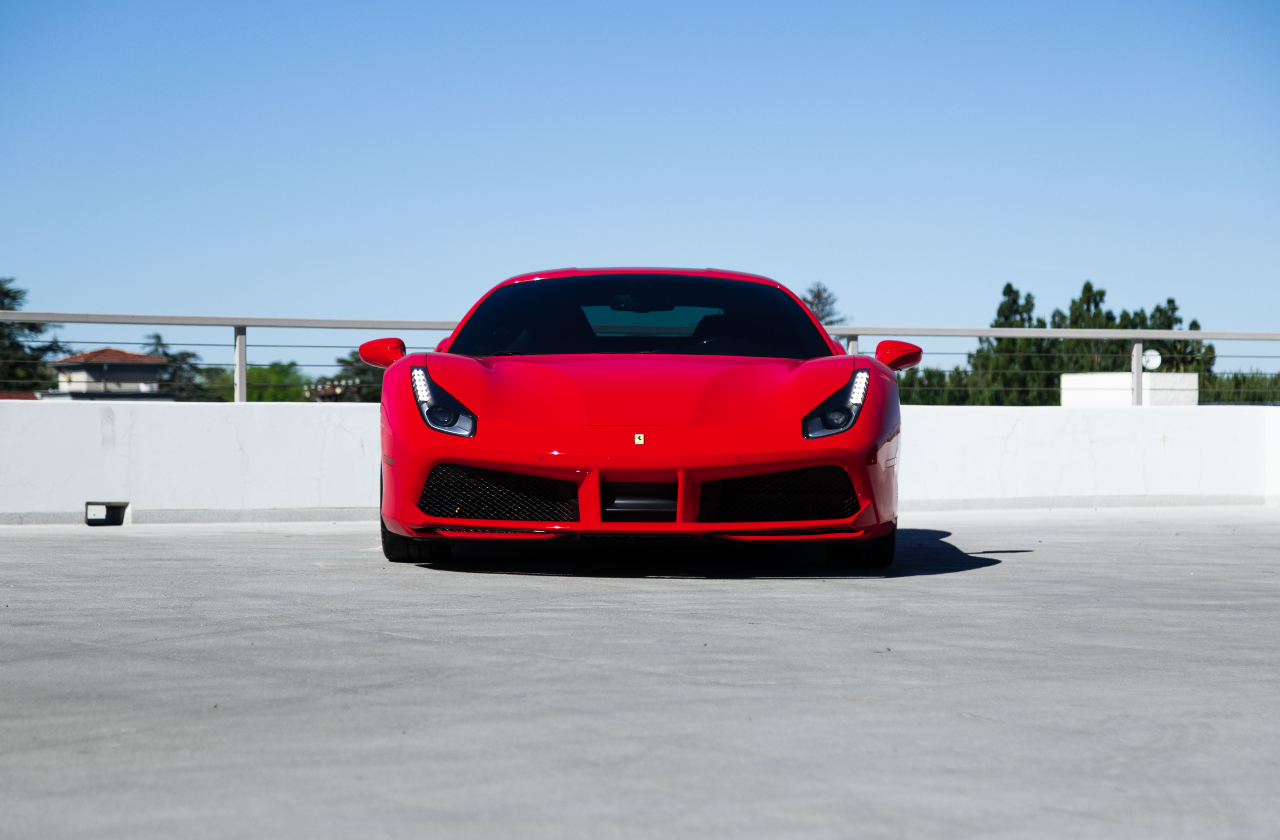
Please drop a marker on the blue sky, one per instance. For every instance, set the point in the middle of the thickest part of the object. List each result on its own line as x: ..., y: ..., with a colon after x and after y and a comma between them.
x: 397, y: 159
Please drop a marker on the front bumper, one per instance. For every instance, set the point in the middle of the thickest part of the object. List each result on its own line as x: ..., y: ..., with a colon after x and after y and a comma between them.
x: 686, y: 456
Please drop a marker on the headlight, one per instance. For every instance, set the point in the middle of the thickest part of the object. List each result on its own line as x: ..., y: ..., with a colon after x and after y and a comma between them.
x: 838, y: 412
x: 438, y: 407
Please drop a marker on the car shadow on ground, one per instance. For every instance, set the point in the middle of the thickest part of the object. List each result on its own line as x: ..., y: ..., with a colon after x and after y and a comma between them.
x: 920, y: 552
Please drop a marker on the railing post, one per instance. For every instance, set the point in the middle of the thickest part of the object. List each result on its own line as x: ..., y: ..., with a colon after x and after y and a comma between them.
x: 853, y: 345
x: 1136, y: 364
x: 242, y: 365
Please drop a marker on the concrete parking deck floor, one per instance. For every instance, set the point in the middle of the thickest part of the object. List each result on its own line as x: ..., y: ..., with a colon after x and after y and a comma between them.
x: 1029, y: 674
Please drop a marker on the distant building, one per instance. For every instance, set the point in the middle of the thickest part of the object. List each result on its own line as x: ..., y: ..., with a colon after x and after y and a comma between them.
x: 109, y: 374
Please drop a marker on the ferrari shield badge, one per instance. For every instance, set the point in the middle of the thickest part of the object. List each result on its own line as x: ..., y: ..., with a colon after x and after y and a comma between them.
x: 639, y: 440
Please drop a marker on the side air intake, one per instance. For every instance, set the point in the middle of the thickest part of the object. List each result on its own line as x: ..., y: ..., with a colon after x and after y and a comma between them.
x: 453, y: 491
x: 793, y: 496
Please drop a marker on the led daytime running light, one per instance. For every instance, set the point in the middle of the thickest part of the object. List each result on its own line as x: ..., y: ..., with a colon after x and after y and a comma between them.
x: 838, y: 412
x: 420, y: 390
x: 860, y: 380
x: 439, y: 409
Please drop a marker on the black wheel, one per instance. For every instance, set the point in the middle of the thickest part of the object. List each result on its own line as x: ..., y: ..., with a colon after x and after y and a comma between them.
x: 400, y: 549
x: 863, y: 554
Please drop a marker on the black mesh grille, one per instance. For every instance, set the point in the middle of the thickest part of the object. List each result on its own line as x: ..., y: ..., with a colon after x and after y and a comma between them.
x: 456, y: 492
x: 814, y: 493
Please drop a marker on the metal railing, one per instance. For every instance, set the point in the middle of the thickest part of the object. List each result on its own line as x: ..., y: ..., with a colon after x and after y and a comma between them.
x: 1134, y: 337
x: 851, y: 334
x: 240, y: 327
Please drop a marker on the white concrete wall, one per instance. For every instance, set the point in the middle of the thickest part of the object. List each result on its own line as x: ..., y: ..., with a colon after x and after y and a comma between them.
x: 260, y: 461
x: 1271, y: 456
x: 189, y: 461
x: 956, y: 456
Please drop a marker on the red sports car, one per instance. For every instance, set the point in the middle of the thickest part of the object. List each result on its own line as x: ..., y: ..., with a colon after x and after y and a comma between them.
x: 640, y: 403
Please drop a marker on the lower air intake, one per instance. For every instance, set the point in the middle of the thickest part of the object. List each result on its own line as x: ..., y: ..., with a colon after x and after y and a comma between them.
x: 796, y: 495
x: 457, y: 492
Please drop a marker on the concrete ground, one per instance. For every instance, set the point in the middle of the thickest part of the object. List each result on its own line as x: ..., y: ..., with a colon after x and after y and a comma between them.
x: 1029, y: 674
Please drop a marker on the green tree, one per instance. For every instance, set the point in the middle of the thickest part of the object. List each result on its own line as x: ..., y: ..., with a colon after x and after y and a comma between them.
x: 1180, y: 356
x: 1091, y: 354
x: 822, y: 303
x: 1101, y: 355
x: 183, y: 372
x: 24, y: 354
x: 278, y: 382
x: 274, y: 382
x: 196, y: 382
x: 1002, y: 371
x: 1015, y: 371
x: 1240, y: 387
x: 934, y: 386
x: 1027, y: 371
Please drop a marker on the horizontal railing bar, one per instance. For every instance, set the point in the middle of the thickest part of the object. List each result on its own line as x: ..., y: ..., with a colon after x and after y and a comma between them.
x: 977, y: 370
x: 38, y: 341
x: 113, y: 341
x: 181, y: 344
x: 220, y: 321
x: 440, y: 326
x: 251, y: 344
x: 904, y: 388
x: 180, y: 386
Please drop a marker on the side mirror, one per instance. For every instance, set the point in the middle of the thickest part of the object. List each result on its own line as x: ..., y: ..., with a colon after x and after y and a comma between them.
x: 443, y: 346
x: 382, y: 352
x: 898, y: 355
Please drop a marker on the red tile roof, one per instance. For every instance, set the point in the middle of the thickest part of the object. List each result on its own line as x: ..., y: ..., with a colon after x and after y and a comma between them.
x: 110, y: 355
x: 18, y: 395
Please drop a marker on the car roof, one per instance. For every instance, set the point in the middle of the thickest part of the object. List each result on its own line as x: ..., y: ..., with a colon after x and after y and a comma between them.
x: 686, y: 272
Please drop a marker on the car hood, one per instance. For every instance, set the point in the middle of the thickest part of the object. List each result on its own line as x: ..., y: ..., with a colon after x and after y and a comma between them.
x: 657, y: 390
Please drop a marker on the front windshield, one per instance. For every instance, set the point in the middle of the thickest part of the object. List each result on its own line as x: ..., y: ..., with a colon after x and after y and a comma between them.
x: 640, y: 313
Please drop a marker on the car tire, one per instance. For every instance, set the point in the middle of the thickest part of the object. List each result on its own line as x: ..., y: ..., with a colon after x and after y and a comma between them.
x: 863, y: 554
x: 400, y: 549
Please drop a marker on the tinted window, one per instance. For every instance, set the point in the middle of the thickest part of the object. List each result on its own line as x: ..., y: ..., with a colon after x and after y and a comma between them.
x: 640, y: 313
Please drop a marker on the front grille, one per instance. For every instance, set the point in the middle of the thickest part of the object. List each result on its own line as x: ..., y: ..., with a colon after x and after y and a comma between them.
x: 453, y: 491
x: 796, y: 495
